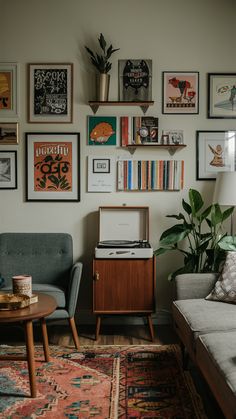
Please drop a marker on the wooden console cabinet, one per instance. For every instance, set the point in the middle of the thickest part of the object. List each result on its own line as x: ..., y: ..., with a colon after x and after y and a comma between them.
x: 124, y: 286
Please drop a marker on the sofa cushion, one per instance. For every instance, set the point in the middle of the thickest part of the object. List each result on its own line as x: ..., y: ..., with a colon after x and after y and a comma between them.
x: 198, y: 316
x: 225, y: 287
x: 52, y: 290
x: 216, y: 358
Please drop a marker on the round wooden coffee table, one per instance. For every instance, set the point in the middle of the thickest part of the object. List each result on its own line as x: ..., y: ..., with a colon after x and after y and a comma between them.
x: 37, y: 311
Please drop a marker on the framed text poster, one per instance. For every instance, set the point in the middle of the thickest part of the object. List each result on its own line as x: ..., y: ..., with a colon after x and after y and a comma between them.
x: 52, y: 167
x: 50, y: 93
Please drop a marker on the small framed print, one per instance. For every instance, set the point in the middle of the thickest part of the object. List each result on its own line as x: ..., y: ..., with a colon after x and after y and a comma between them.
x: 8, y: 133
x: 222, y: 95
x: 50, y: 96
x: 102, y: 130
x: 180, y: 92
x: 175, y: 137
x: 52, y: 166
x: 215, y: 153
x: 8, y: 169
x: 9, y: 87
x: 101, y: 165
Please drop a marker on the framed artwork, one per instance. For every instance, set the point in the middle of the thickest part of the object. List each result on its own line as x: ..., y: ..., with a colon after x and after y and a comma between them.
x: 8, y: 133
x: 135, y: 80
x: 173, y: 137
x: 50, y: 93
x: 9, y: 87
x: 101, y: 165
x: 8, y: 169
x: 52, y: 166
x: 180, y: 92
x: 102, y: 130
x: 215, y: 153
x: 101, y: 174
x: 222, y: 95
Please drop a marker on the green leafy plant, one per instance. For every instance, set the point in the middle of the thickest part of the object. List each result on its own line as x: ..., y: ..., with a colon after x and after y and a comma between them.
x: 197, y: 237
x: 101, y: 61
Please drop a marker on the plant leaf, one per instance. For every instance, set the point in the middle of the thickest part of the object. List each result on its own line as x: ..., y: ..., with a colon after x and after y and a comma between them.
x: 102, y: 42
x: 186, y: 207
x: 227, y: 213
x: 196, y: 201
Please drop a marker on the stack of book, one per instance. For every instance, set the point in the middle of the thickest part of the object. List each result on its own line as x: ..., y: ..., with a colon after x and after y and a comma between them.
x: 148, y: 175
x: 137, y: 130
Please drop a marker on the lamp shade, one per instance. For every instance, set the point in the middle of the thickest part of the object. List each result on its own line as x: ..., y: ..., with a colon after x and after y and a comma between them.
x: 225, y: 189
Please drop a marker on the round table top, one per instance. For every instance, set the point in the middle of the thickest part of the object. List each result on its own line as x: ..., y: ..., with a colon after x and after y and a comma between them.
x: 45, y: 306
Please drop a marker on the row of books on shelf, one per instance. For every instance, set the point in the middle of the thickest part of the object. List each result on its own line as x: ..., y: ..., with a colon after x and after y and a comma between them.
x: 146, y: 175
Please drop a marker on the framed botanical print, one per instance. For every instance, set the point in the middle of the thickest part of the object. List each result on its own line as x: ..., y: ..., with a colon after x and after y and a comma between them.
x: 8, y: 169
x: 8, y: 133
x: 180, y: 92
x: 9, y: 88
x: 215, y: 153
x: 52, y: 166
x: 50, y: 93
x: 222, y: 95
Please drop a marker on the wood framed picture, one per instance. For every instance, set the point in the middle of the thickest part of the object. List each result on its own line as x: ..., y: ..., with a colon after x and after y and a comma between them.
x: 180, y: 92
x: 50, y: 93
x: 8, y: 169
x: 52, y: 166
x: 222, y: 95
x: 8, y: 133
x: 135, y: 80
x: 9, y: 89
x: 215, y: 153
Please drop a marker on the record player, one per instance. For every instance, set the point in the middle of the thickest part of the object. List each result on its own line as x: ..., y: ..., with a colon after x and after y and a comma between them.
x: 123, y: 233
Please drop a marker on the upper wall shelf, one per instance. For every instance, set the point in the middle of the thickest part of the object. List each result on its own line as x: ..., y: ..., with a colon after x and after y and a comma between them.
x: 94, y: 105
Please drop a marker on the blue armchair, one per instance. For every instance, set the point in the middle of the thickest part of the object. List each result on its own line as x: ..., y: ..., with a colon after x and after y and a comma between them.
x: 48, y: 258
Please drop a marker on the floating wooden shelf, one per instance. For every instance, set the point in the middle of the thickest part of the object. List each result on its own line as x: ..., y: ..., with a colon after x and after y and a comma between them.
x: 94, y: 105
x: 172, y: 148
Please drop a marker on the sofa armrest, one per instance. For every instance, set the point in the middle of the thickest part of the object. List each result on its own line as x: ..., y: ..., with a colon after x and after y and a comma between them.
x: 194, y: 285
x: 73, y: 291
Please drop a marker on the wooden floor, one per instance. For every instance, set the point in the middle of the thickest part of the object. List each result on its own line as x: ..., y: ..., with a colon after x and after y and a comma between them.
x: 113, y: 335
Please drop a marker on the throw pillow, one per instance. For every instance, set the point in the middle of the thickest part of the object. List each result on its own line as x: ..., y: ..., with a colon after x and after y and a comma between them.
x: 225, y: 287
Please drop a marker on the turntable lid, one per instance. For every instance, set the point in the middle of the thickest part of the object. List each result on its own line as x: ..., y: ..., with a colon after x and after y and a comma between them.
x: 123, y: 223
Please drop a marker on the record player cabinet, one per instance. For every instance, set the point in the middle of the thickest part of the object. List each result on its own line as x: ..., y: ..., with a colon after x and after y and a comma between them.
x: 124, y: 286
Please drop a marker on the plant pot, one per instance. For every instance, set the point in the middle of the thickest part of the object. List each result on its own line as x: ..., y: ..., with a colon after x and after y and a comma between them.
x: 102, y: 87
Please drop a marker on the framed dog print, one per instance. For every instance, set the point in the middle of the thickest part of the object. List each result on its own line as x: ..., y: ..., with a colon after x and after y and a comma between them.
x: 9, y: 88
x: 180, y: 92
x: 222, y: 95
x: 8, y: 169
x: 50, y: 96
x: 215, y: 153
x: 52, y: 166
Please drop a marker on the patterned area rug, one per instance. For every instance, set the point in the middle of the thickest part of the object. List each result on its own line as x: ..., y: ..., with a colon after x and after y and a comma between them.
x: 103, y: 382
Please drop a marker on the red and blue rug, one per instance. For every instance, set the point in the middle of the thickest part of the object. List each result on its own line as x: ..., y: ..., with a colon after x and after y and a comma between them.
x: 102, y: 382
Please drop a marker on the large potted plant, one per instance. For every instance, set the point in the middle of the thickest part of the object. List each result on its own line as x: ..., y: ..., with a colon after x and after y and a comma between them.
x: 197, y: 236
x: 103, y: 66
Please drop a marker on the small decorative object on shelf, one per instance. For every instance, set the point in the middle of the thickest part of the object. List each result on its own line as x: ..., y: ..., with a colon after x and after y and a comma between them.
x: 174, y: 137
x: 103, y: 65
x: 139, y: 130
x: 135, y: 80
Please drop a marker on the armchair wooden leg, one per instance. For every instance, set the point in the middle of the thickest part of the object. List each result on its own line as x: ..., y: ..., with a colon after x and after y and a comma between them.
x: 74, y: 332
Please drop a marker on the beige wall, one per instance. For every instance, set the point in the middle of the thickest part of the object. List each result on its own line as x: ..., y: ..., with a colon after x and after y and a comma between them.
x: 176, y: 35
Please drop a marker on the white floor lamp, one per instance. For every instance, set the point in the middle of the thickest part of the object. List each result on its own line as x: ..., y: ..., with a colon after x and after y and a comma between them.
x: 225, y: 191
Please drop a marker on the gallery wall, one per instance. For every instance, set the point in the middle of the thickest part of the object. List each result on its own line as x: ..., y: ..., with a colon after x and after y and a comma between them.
x: 177, y: 35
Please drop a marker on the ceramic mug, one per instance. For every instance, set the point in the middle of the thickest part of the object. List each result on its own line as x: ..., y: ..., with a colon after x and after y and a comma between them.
x: 22, y: 284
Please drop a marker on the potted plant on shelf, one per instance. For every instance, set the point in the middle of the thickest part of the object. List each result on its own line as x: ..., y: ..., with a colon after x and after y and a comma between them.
x: 201, y: 229
x: 103, y: 66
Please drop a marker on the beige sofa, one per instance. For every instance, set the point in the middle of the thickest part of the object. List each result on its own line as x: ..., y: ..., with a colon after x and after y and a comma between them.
x: 207, y: 332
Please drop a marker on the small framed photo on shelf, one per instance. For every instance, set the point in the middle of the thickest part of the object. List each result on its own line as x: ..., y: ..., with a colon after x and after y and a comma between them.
x: 8, y: 133
x: 102, y: 130
x: 180, y: 92
x: 215, y: 153
x: 50, y: 96
x: 135, y: 80
x: 8, y: 169
x: 222, y: 95
x: 173, y: 137
x: 52, y: 166
x: 9, y: 88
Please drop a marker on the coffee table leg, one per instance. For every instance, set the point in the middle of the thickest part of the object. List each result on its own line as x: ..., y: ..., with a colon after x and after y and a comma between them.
x: 30, y: 356
x: 45, y: 339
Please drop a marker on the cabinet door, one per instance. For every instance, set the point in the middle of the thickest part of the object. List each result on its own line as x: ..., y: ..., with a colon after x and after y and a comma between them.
x: 123, y: 285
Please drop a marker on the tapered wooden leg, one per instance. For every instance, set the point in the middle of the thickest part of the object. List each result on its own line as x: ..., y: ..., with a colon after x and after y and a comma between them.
x: 185, y: 356
x: 98, y: 324
x: 74, y: 332
x: 29, y: 337
x: 151, y: 327
x: 45, y: 339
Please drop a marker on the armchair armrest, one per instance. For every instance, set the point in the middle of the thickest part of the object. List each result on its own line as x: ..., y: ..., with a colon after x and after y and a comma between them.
x: 73, y: 291
x: 194, y: 285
